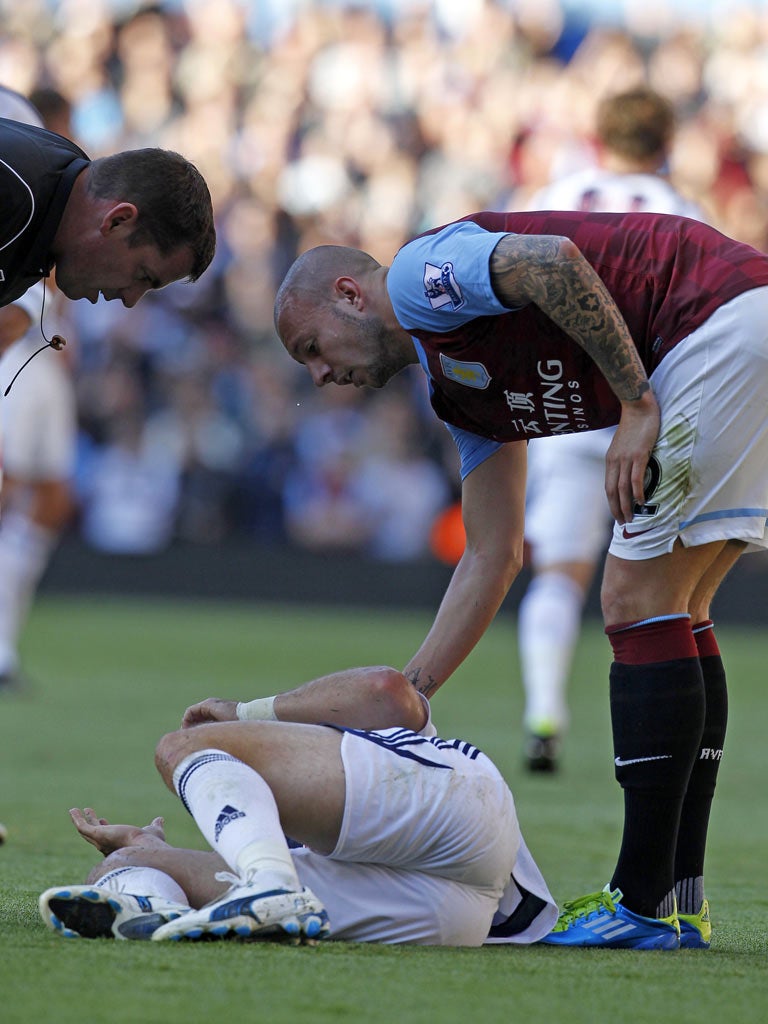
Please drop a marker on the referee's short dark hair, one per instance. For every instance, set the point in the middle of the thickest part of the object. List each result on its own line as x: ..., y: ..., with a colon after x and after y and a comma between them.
x: 171, y: 196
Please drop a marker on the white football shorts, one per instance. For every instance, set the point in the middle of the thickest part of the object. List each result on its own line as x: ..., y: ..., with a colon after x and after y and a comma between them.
x: 708, y: 476
x: 428, y: 845
x: 39, y: 417
x: 567, y: 518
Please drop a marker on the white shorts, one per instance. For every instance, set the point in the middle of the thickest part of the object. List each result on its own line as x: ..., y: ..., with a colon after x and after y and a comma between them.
x: 428, y: 845
x: 39, y: 417
x: 567, y: 518
x: 709, y: 470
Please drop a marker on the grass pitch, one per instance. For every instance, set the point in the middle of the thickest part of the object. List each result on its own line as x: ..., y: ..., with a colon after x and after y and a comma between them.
x: 111, y: 676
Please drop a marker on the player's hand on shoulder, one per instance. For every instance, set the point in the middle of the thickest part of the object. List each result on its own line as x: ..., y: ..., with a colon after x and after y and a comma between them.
x: 212, y: 709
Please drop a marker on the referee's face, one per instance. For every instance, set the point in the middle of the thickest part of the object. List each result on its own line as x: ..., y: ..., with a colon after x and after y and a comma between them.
x: 105, y: 263
x: 120, y: 272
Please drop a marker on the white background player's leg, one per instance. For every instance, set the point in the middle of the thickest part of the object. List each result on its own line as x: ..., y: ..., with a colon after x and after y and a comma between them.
x: 567, y: 530
x: 24, y: 553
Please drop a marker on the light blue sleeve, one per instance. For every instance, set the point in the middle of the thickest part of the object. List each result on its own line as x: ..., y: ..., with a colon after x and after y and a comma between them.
x: 439, y: 282
x: 473, y: 449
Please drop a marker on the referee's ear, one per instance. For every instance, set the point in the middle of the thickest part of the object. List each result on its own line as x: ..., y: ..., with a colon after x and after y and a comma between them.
x: 118, y: 218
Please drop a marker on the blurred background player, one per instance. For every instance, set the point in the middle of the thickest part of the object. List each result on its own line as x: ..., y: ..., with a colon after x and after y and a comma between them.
x: 38, y: 421
x: 568, y: 521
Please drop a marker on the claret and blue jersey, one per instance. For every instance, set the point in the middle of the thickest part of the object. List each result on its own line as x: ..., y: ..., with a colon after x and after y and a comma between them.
x: 499, y: 375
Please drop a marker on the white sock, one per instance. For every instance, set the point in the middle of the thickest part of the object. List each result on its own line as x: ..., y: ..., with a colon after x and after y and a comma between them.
x: 548, y: 626
x: 139, y: 881
x: 24, y: 552
x: 235, y: 810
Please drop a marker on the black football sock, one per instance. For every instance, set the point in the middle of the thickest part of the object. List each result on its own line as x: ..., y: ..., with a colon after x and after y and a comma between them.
x: 657, y: 714
x: 694, y: 818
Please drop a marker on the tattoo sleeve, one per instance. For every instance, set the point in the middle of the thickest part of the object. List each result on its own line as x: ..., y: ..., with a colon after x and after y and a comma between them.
x: 551, y: 272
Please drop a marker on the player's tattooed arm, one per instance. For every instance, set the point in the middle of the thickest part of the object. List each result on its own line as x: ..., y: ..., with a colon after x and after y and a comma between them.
x: 551, y: 272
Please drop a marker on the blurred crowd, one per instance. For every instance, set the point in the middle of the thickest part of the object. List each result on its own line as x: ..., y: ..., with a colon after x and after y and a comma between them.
x: 357, y: 123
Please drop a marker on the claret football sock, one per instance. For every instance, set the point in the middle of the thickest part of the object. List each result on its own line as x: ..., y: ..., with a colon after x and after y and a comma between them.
x: 657, y: 714
x: 694, y: 818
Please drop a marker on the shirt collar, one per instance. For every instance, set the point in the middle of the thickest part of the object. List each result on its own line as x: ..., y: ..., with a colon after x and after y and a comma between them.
x: 40, y: 259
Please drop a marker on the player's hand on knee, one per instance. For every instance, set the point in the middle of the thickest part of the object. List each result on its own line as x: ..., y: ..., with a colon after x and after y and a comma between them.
x: 213, y: 709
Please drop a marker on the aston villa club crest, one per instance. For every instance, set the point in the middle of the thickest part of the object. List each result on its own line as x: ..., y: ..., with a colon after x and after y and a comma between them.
x: 472, y: 375
x: 441, y: 286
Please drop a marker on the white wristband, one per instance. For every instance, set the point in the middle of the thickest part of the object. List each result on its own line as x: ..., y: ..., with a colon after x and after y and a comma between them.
x: 260, y: 710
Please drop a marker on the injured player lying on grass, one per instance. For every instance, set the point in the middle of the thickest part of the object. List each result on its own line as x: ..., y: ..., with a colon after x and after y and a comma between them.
x: 397, y: 836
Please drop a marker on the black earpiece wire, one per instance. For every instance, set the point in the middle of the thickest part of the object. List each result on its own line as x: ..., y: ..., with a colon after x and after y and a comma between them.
x: 56, y: 342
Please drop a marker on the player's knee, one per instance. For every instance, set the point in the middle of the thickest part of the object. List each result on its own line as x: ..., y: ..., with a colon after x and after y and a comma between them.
x: 624, y: 598
x: 616, y: 607
x: 403, y: 703
x: 170, y: 750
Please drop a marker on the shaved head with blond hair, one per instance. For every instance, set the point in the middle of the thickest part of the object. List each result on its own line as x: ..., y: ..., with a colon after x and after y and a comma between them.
x: 311, y: 276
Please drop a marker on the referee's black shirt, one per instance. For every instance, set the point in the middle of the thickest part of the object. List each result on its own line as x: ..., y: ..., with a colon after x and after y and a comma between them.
x: 37, y: 171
